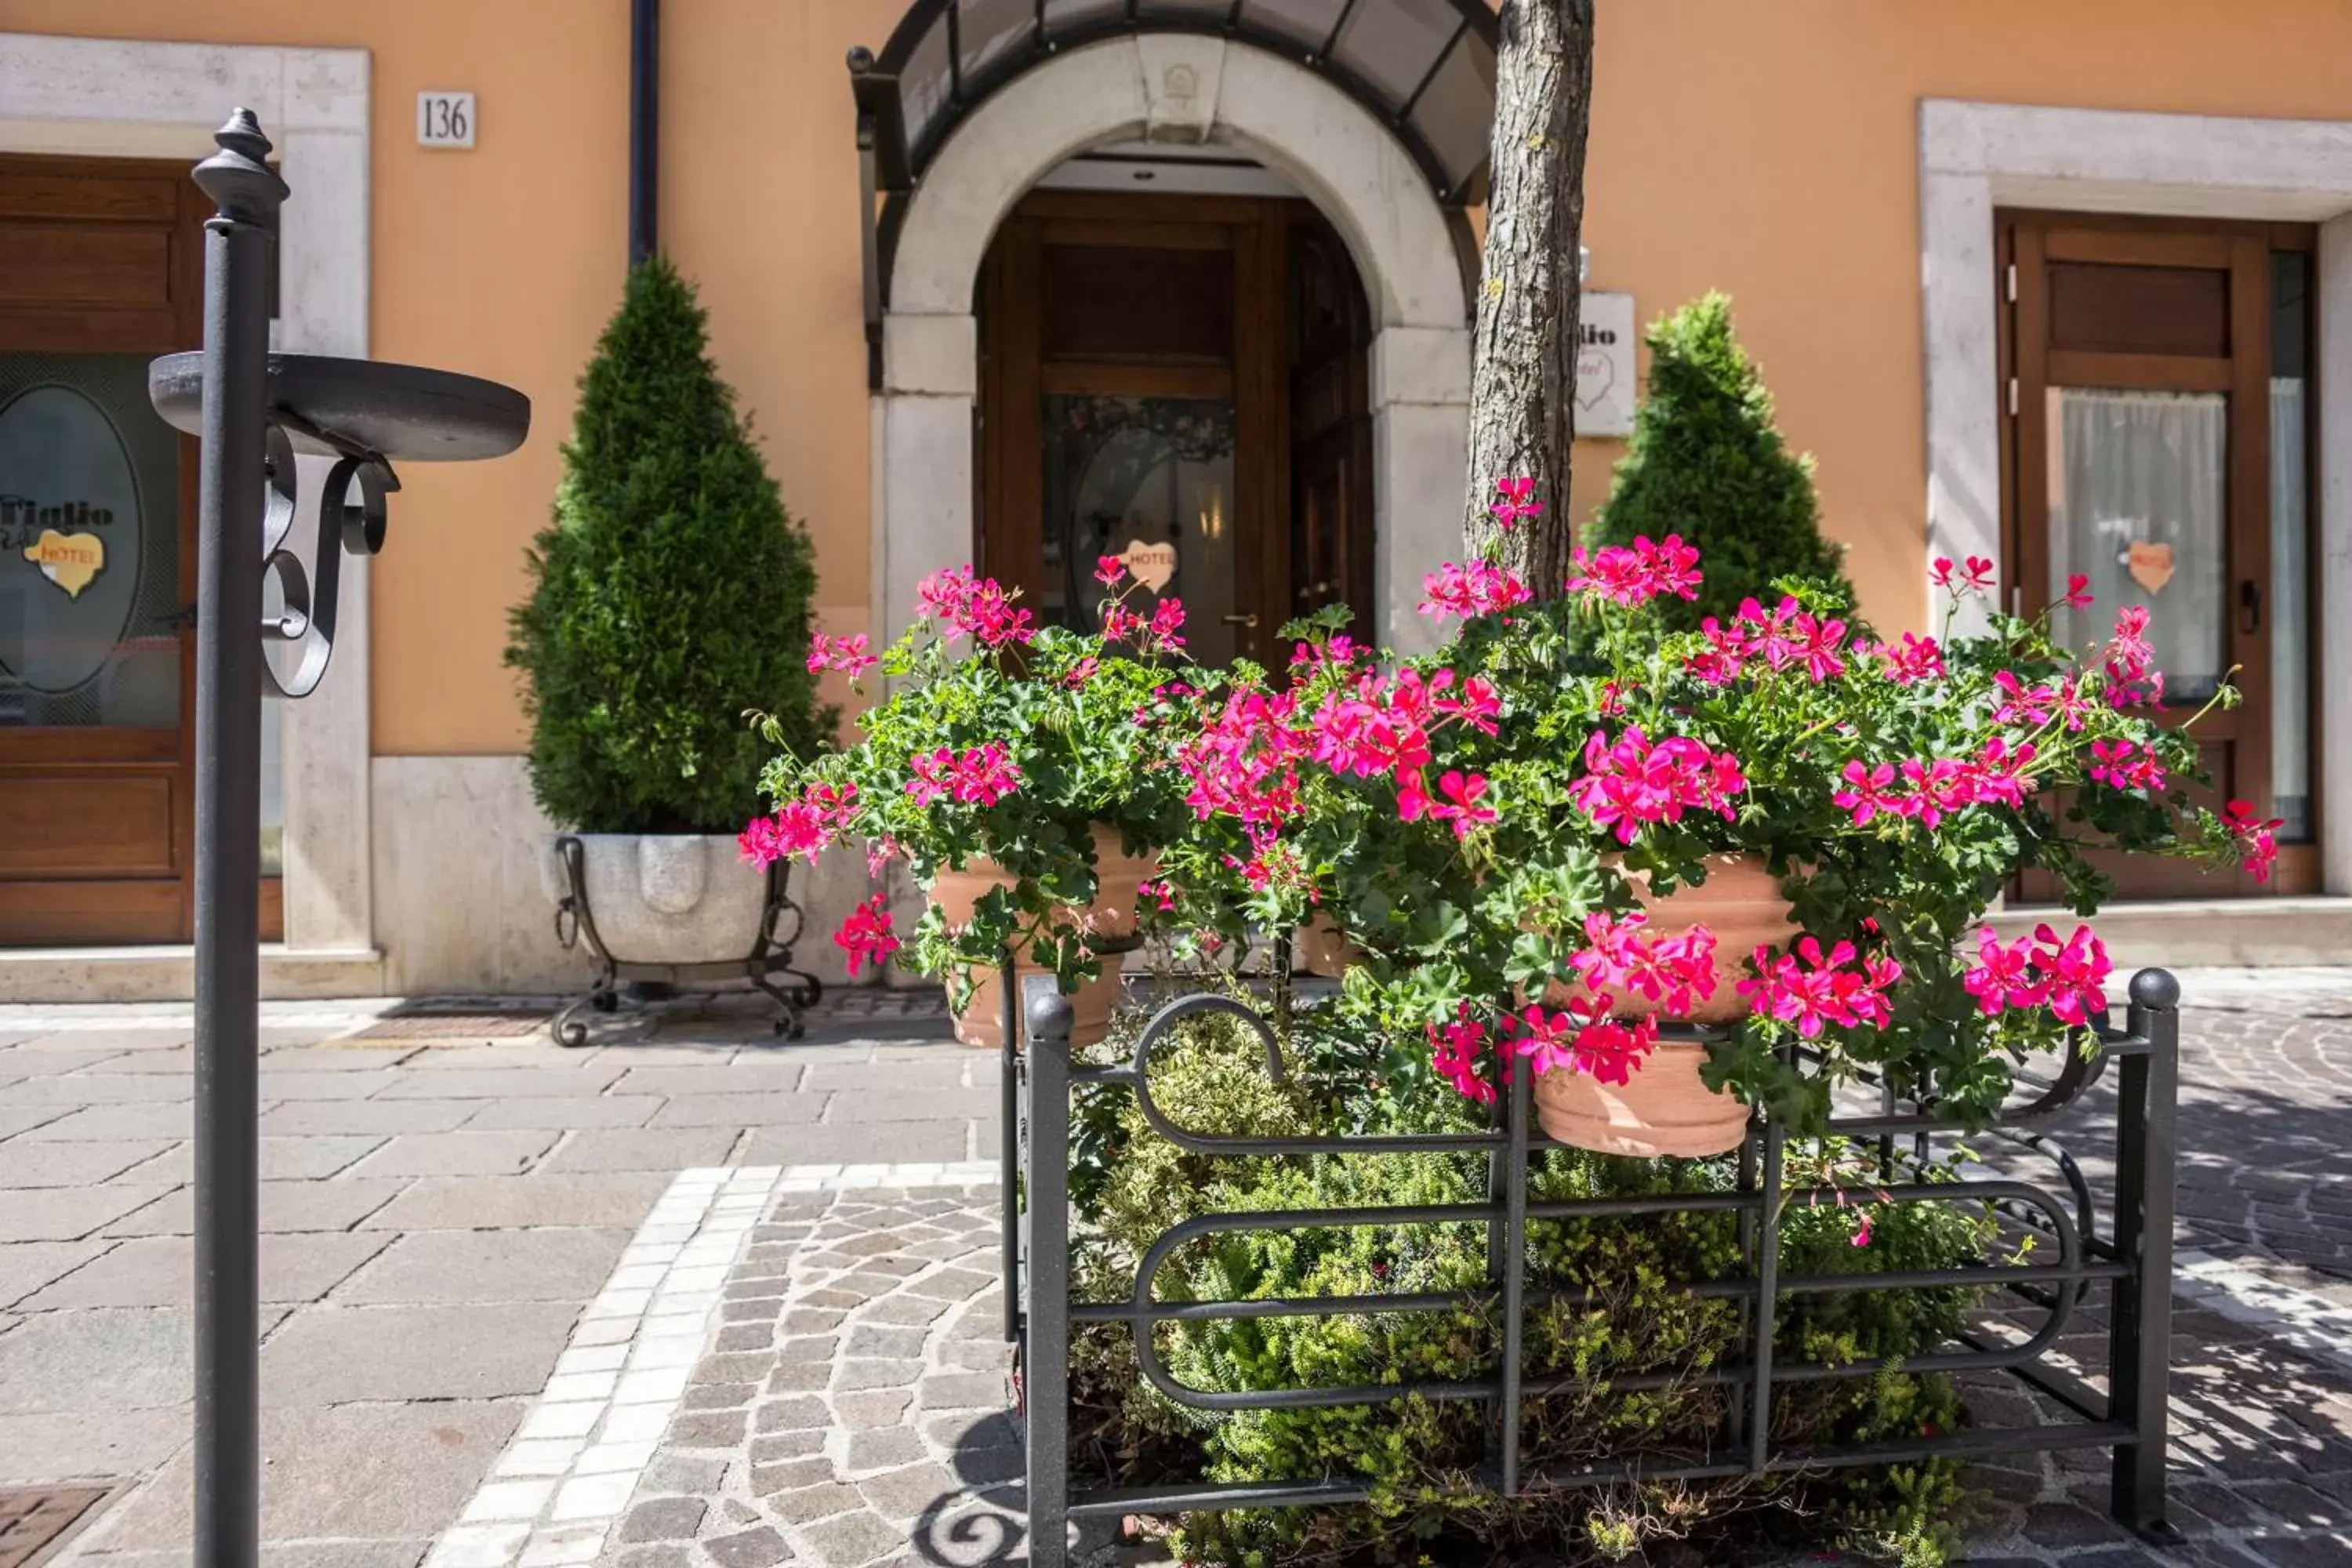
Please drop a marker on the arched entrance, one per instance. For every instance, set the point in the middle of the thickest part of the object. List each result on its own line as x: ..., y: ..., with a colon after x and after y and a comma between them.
x: 1181, y: 380
x: 1380, y: 178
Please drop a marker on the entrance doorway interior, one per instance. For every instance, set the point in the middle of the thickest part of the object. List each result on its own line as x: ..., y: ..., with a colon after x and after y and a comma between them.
x: 1180, y: 380
x: 102, y: 269
x: 2157, y: 443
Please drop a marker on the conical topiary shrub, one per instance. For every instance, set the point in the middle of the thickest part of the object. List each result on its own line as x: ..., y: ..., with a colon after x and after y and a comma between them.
x: 670, y: 593
x: 1706, y: 463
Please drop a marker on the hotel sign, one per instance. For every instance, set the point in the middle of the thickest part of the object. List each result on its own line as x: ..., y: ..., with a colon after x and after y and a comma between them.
x: 1605, y: 367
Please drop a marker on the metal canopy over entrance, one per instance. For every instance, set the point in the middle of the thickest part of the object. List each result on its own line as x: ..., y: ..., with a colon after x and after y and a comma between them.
x: 1424, y: 69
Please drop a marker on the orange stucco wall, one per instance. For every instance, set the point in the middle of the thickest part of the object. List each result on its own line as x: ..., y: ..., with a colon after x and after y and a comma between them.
x: 1769, y: 149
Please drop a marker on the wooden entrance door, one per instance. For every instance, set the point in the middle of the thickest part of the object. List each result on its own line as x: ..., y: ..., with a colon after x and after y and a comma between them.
x: 100, y: 270
x: 1139, y: 363
x: 1330, y: 427
x: 2156, y: 445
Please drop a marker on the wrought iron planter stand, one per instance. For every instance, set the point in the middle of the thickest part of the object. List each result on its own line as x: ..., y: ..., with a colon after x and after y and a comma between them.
x: 771, y: 957
x: 2134, y: 1261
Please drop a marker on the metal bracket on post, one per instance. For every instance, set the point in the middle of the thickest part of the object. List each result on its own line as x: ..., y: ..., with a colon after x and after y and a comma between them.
x: 252, y: 411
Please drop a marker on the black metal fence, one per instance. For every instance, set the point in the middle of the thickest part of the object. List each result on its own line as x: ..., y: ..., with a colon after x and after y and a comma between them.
x: 2133, y: 1259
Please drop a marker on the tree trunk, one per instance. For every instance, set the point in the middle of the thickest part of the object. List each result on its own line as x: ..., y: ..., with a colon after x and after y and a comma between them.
x: 1523, y: 358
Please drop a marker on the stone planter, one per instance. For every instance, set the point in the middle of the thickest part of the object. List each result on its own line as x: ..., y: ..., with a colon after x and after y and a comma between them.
x: 662, y: 898
x: 1664, y: 1108
x: 1118, y: 876
x: 676, y: 909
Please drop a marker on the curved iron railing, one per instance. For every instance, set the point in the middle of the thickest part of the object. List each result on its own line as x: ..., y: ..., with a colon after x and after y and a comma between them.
x: 2134, y: 1262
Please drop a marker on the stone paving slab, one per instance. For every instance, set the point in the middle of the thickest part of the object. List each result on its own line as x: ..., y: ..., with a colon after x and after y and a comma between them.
x: 332, y: 1354
x: 156, y: 1271
x: 285, y: 1206
x: 357, y: 1473
x: 456, y: 1265
x: 507, y: 1203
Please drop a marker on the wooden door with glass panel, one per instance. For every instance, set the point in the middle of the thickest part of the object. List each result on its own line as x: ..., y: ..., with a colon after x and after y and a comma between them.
x: 1135, y: 403
x: 2155, y: 445
x: 100, y: 270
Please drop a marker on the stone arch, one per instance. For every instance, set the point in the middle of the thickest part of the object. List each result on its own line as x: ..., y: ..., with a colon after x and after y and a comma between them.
x: 1173, y: 88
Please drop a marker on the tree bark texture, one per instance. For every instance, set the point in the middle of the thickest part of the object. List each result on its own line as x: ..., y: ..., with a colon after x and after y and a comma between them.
x: 1523, y: 357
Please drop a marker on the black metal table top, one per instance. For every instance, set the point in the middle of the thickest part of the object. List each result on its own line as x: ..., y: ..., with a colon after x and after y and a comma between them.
x: 403, y: 412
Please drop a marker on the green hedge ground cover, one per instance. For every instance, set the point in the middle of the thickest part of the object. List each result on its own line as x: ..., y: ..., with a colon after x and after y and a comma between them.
x: 1633, y: 1315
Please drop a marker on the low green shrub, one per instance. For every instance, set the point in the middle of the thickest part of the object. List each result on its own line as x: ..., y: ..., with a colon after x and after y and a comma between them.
x: 1609, y: 1303
x: 1707, y: 463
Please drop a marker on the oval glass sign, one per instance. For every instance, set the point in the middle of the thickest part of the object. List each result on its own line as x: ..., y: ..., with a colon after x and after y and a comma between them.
x: 69, y: 539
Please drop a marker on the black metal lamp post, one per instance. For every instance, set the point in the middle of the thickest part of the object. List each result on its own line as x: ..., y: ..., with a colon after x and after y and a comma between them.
x: 253, y: 411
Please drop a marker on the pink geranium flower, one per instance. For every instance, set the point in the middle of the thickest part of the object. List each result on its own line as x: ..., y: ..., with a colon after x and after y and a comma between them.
x: 1481, y: 588
x: 2074, y: 972
x: 848, y: 655
x: 1629, y: 783
x: 2003, y: 977
x: 2257, y: 840
x: 1973, y: 577
x: 1915, y: 659
x: 1636, y: 576
x: 2124, y: 765
x: 1868, y: 792
x: 1584, y: 1038
x: 1455, y: 1051
x: 1515, y: 502
x: 866, y: 936
x: 1814, y: 990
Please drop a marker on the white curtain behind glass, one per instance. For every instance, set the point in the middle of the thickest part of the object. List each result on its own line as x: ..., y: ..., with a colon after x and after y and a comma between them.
x: 2148, y: 468
x: 2290, y: 610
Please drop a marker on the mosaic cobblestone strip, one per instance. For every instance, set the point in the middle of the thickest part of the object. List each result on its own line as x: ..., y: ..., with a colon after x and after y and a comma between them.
x: 554, y: 1493
x: 854, y: 1408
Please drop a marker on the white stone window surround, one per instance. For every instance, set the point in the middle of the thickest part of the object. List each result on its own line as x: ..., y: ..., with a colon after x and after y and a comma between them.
x: 1975, y: 157
x: 117, y: 98
x: 1288, y: 119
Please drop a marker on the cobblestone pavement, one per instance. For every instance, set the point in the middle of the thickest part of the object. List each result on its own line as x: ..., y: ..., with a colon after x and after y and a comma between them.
x: 682, y: 1237
x: 854, y: 1407
x: 439, y: 1214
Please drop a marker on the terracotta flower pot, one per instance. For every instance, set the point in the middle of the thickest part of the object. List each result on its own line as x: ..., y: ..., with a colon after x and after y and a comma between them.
x: 1741, y: 902
x: 1664, y: 1108
x: 1118, y: 876
x: 1661, y: 1109
x: 1322, y: 952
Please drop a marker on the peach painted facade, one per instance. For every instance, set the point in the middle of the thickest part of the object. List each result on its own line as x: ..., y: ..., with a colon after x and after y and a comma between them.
x: 1773, y: 151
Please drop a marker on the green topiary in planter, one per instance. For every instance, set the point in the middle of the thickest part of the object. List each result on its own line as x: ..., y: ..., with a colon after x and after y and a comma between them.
x: 670, y: 594
x: 1706, y: 463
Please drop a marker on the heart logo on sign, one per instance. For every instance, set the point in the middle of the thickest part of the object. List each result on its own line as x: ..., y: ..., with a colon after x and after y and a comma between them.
x: 1153, y: 566
x: 2150, y: 564
x: 70, y: 560
x: 1594, y: 376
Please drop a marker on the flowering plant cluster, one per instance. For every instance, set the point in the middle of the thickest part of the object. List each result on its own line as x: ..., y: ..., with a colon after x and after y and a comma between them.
x: 1487, y: 822
x: 998, y: 737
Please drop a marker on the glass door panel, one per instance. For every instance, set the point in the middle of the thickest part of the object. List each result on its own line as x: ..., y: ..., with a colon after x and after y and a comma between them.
x: 2140, y: 505
x: 90, y: 546
x: 1150, y: 480
x: 2291, y: 563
